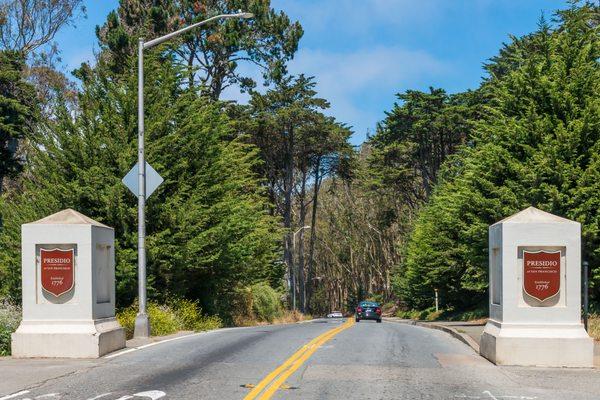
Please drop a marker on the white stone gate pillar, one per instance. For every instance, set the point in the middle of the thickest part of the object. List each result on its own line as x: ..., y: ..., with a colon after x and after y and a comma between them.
x: 535, y: 293
x: 68, y: 272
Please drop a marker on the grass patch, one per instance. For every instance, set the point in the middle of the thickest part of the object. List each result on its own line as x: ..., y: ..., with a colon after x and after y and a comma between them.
x: 10, y: 318
x: 418, y: 315
x: 444, y: 315
x: 288, y: 317
x: 594, y: 326
x: 165, y: 319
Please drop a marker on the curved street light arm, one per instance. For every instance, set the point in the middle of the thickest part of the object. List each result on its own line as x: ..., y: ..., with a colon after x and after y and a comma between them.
x: 168, y: 36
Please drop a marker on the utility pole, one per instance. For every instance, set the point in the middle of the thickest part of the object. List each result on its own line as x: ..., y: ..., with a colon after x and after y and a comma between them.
x: 142, y: 324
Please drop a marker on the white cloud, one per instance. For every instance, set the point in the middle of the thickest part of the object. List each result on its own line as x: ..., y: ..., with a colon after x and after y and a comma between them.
x: 347, y: 79
x: 359, y: 16
x: 348, y: 49
x: 350, y: 72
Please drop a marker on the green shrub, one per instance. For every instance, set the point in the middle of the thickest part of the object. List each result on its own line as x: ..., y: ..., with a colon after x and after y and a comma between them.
x: 165, y: 319
x: 10, y: 317
x: 594, y: 326
x: 408, y: 314
x: 434, y: 315
x: 266, y: 302
x: 126, y: 318
x: 189, y: 314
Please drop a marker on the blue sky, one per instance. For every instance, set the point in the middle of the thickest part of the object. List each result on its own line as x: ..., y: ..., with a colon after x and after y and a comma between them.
x: 363, y: 52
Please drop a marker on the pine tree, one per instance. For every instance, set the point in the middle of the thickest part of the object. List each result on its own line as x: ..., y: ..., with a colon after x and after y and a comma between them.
x: 537, y: 144
x: 211, y: 54
x: 208, y: 229
x: 17, y: 111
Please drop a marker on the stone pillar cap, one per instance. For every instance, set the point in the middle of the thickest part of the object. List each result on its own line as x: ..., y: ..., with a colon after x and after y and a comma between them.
x: 68, y: 217
x: 532, y: 214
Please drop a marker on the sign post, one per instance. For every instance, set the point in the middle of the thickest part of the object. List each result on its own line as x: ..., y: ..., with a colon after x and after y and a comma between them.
x: 142, y: 182
x: 535, y: 293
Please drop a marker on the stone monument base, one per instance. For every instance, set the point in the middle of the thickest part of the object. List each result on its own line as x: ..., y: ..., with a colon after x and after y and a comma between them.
x: 560, y: 345
x: 67, y: 339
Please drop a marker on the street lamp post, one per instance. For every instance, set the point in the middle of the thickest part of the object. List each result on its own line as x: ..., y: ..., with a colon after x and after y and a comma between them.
x: 142, y: 325
x: 294, y: 274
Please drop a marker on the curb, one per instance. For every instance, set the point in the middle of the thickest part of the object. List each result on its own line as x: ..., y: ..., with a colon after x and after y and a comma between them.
x: 466, y: 339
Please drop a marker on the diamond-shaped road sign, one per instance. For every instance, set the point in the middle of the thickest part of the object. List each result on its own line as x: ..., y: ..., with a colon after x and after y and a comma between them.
x: 153, y: 180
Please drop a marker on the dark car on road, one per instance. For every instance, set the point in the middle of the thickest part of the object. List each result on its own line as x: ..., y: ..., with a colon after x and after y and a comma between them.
x: 368, y: 310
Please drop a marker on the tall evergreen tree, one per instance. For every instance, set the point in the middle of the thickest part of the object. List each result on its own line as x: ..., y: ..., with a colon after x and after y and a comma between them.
x: 537, y: 144
x: 211, y: 54
x: 17, y: 111
x: 208, y: 226
x: 416, y: 137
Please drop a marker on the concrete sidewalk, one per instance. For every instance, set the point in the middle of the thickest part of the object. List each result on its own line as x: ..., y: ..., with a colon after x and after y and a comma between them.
x: 470, y: 332
x: 33, y: 372
x: 30, y: 373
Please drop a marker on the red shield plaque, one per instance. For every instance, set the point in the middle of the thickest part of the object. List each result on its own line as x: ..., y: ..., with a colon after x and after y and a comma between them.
x: 57, y: 270
x: 541, y: 274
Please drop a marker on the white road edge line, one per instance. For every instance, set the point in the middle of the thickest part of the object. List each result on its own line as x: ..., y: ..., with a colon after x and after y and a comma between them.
x: 214, y: 331
x: 100, y: 396
x: 151, y: 344
x: 12, y: 396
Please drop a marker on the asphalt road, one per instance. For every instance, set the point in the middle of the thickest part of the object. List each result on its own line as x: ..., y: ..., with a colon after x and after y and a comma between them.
x: 357, y: 361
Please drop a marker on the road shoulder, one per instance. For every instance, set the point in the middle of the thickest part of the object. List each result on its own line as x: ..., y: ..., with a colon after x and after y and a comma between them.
x: 27, y: 373
x: 468, y: 333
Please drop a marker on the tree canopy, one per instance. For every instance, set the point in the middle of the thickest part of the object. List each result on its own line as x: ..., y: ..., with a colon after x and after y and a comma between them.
x: 212, y: 53
x: 535, y: 144
x: 208, y: 230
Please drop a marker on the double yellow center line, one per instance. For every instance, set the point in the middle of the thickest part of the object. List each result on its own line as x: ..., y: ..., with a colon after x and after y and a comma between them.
x: 275, y: 379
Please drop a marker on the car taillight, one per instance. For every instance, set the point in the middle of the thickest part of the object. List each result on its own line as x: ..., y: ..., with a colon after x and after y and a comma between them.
x: 378, y: 310
x: 359, y: 309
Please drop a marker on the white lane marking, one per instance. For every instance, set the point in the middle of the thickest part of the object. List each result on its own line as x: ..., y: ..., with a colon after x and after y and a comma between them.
x: 12, y: 396
x: 213, y: 332
x: 153, y: 394
x: 151, y: 344
x: 44, y: 396
x: 490, y: 394
x: 121, y: 353
x: 125, y: 397
x: 100, y: 396
x: 169, y: 340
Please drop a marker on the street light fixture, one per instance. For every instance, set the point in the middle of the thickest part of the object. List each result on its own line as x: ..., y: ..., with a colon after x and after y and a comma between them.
x: 298, y: 231
x: 142, y: 325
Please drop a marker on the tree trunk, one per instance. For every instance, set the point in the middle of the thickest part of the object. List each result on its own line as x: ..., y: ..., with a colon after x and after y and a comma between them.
x: 287, y: 211
x: 313, y: 232
x: 302, y: 222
